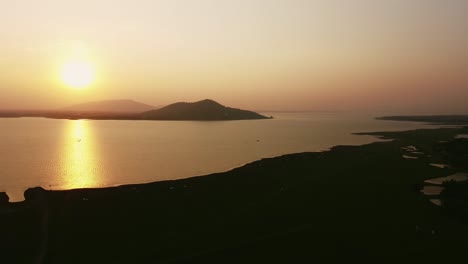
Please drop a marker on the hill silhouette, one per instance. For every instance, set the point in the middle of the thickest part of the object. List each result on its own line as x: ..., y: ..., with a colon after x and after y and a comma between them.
x: 202, y: 110
x: 123, y: 106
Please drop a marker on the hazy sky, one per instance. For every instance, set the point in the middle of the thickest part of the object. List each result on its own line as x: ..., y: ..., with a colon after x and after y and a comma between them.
x: 367, y: 55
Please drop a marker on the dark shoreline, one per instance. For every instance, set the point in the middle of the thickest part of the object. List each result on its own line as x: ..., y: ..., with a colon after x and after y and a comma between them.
x: 69, y: 115
x: 432, y: 119
x: 351, y: 202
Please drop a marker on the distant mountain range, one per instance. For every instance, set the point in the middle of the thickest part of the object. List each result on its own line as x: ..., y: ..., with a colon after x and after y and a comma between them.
x: 121, y: 106
x: 205, y: 110
x: 201, y: 110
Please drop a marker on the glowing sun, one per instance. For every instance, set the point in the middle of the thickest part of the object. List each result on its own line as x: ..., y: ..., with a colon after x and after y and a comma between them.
x: 77, y: 74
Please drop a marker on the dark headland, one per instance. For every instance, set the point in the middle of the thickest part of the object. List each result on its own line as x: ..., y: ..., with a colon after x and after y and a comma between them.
x: 205, y: 110
x: 352, y: 203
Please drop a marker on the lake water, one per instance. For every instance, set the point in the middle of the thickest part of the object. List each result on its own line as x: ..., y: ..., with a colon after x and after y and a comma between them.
x: 68, y: 154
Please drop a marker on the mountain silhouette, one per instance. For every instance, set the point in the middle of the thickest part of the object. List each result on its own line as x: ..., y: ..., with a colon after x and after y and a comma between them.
x: 202, y: 110
x: 123, y: 106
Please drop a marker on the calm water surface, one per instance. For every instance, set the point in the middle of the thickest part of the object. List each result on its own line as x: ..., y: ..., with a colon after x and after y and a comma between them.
x: 67, y: 154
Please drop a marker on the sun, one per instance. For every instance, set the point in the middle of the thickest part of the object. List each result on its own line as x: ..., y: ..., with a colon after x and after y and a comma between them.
x: 77, y: 74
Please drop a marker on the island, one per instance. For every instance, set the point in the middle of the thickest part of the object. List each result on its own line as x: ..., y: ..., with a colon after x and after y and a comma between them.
x: 349, y: 203
x: 207, y: 110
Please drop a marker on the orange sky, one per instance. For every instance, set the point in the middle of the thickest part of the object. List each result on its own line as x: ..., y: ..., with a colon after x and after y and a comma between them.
x: 364, y: 55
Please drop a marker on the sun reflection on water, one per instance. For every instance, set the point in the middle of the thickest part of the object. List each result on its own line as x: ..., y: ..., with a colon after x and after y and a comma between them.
x: 80, y: 168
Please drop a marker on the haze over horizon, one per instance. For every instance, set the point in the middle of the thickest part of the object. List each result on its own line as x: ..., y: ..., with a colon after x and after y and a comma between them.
x: 398, y: 56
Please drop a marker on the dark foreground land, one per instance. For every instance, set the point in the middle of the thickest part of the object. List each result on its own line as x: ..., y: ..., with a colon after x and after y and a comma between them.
x: 351, y: 203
